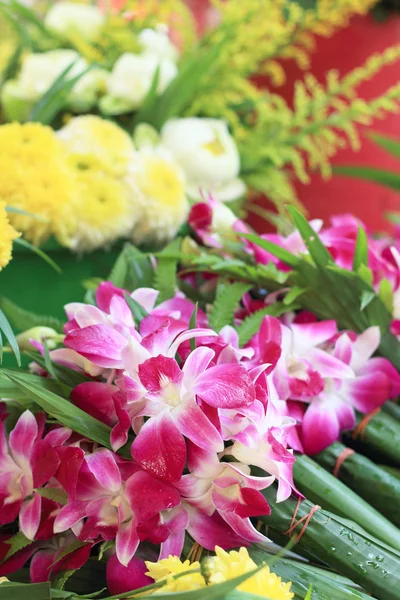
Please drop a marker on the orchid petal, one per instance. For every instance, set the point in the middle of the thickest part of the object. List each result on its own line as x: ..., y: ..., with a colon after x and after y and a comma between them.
x: 148, y: 496
x: 329, y: 366
x: 127, y: 542
x: 104, y: 467
x: 225, y: 386
x: 69, y: 516
x: 29, y: 516
x: 22, y: 438
x: 320, y: 426
x: 44, y: 463
x: 194, y: 425
x: 101, y: 344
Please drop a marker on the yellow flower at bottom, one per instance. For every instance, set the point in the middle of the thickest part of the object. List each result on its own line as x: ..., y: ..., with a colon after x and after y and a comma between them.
x: 7, y: 235
x: 34, y: 177
x: 168, y: 567
x: 160, y: 193
x: 227, y: 565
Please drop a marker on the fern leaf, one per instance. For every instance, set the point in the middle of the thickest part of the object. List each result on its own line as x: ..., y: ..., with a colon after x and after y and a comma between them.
x: 165, y: 273
x: 17, y: 542
x: 226, y: 302
x: 252, y: 323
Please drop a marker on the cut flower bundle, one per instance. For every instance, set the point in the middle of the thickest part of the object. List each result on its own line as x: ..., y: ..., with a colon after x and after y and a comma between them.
x: 163, y: 424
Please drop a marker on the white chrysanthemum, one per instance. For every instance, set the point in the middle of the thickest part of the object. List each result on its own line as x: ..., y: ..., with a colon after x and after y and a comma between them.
x: 158, y: 186
x: 68, y: 19
x: 156, y: 42
x: 94, y: 139
x: 131, y: 79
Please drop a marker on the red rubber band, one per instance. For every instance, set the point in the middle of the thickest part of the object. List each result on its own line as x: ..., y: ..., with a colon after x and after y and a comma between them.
x: 306, y: 520
x: 340, y: 460
x: 360, y: 429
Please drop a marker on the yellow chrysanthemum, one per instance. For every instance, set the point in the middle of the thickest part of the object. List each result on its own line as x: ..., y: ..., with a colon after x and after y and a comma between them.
x: 97, y: 140
x: 103, y: 210
x: 34, y: 177
x: 168, y: 567
x: 7, y: 235
x: 160, y: 193
x: 227, y: 565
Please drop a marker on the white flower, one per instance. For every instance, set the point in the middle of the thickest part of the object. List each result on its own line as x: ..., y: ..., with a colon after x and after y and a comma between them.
x: 131, y: 79
x: 155, y: 42
x: 158, y: 185
x: 208, y: 155
x: 68, y: 19
x: 39, y: 71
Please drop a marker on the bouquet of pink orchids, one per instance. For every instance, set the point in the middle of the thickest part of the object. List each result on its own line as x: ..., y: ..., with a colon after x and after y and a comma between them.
x: 175, y: 413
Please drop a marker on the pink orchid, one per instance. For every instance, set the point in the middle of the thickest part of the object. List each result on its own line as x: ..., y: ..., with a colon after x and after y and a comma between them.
x: 116, y: 500
x: 122, y: 579
x: 172, y: 401
x: 210, y: 220
x: 226, y: 488
x: 333, y: 410
x: 26, y: 463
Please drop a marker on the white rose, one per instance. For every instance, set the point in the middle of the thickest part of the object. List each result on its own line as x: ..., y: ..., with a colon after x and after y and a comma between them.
x: 155, y: 42
x: 131, y: 79
x: 208, y: 155
x: 67, y: 19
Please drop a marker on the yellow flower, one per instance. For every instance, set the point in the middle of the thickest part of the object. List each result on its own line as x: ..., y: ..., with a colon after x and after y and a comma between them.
x: 97, y: 140
x: 103, y: 210
x: 160, y: 193
x: 7, y: 235
x: 34, y: 177
x: 227, y: 565
x: 168, y: 567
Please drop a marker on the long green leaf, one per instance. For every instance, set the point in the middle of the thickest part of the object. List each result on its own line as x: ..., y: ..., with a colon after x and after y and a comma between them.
x: 316, y: 248
x: 61, y: 409
x: 9, y: 334
x: 386, y: 178
x: 137, y: 309
x: 283, y: 255
x: 39, y: 252
x: 361, y: 250
x: 387, y: 143
x: 24, y: 591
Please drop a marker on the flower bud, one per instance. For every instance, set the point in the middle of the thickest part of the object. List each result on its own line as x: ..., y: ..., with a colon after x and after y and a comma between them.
x: 38, y: 334
x: 69, y: 19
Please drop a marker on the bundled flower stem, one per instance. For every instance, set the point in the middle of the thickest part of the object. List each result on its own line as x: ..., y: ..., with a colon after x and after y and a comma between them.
x: 329, y: 539
x: 335, y: 496
x: 374, y: 484
x: 381, y: 434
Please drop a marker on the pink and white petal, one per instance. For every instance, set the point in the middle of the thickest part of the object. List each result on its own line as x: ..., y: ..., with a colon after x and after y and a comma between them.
x: 382, y: 365
x: 120, y: 312
x: 189, y: 335
x: 343, y: 349
x: 105, y: 293
x: 329, y: 366
x: 146, y: 297
x: 157, y: 372
x: 22, y: 438
x: 346, y: 416
x: 44, y: 462
x: 58, y: 436
x: 127, y: 541
x: 369, y: 391
x: 160, y: 448
x: 244, y: 528
x: 225, y: 386
x: 309, y: 335
x: 119, y: 433
x: 67, y: 474
x: 29, y: 516
x: 193, y: 424
x: 101, y: 344
x: 364, y: 347
x: 196, y: 363
x: 251, y: 481
x: 202, y: 462
x: 190, y: 486
x: 176, y: 520
x: 148, y: 496
x: 87, y: 315
x: 104, y: 467
x: 69, y: 516
x: 211, y: 531
x: 121, y: 579
x: 320, y: 426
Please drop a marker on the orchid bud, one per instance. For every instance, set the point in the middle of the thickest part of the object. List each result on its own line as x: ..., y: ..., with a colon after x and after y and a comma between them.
x: 122, y: 579
x: 38, y: 334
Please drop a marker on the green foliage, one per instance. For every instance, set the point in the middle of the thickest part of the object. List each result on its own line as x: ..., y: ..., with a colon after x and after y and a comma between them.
x: 137, y: 309
x: 23, y: 319
x: 386, y: 178
x: 5, y: 328
x: 252, y: 323
x: 226, y: 303
x: 132, y: 269
x: 17, y: 542
x: 387, y: 143
x: 165, y: 272
x: 53, y: 494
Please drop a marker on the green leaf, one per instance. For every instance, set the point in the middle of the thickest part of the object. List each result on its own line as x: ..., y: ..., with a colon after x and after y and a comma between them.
x: 387, y: 143
x: 309, y: 594
x: 137, y: 309
x: 132, y: 269
x: 105, y: 546
x: 193, y: 325
x: 25, y: 591
x: 294, y: 293
x: 69, y: 377
x: 316, y: 248
x: 47, y: 361
x: 386, y: 294
x: 165, y: 272
x: 226, y: 302
x: 283, y: 255
x: 53, y: 494
x: 62, y: 578
x: 23, y: 319
x: 39, y: 252
x: 365, y: 274
x: 366, y: 298
x: 386, y: 178
x: 251, y: 325
x: 61, y: 409
x: 9, y: 334
x: 56, y: 97
x: 17, y: 542
x: 361, y: 250
x: 71, y: 548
